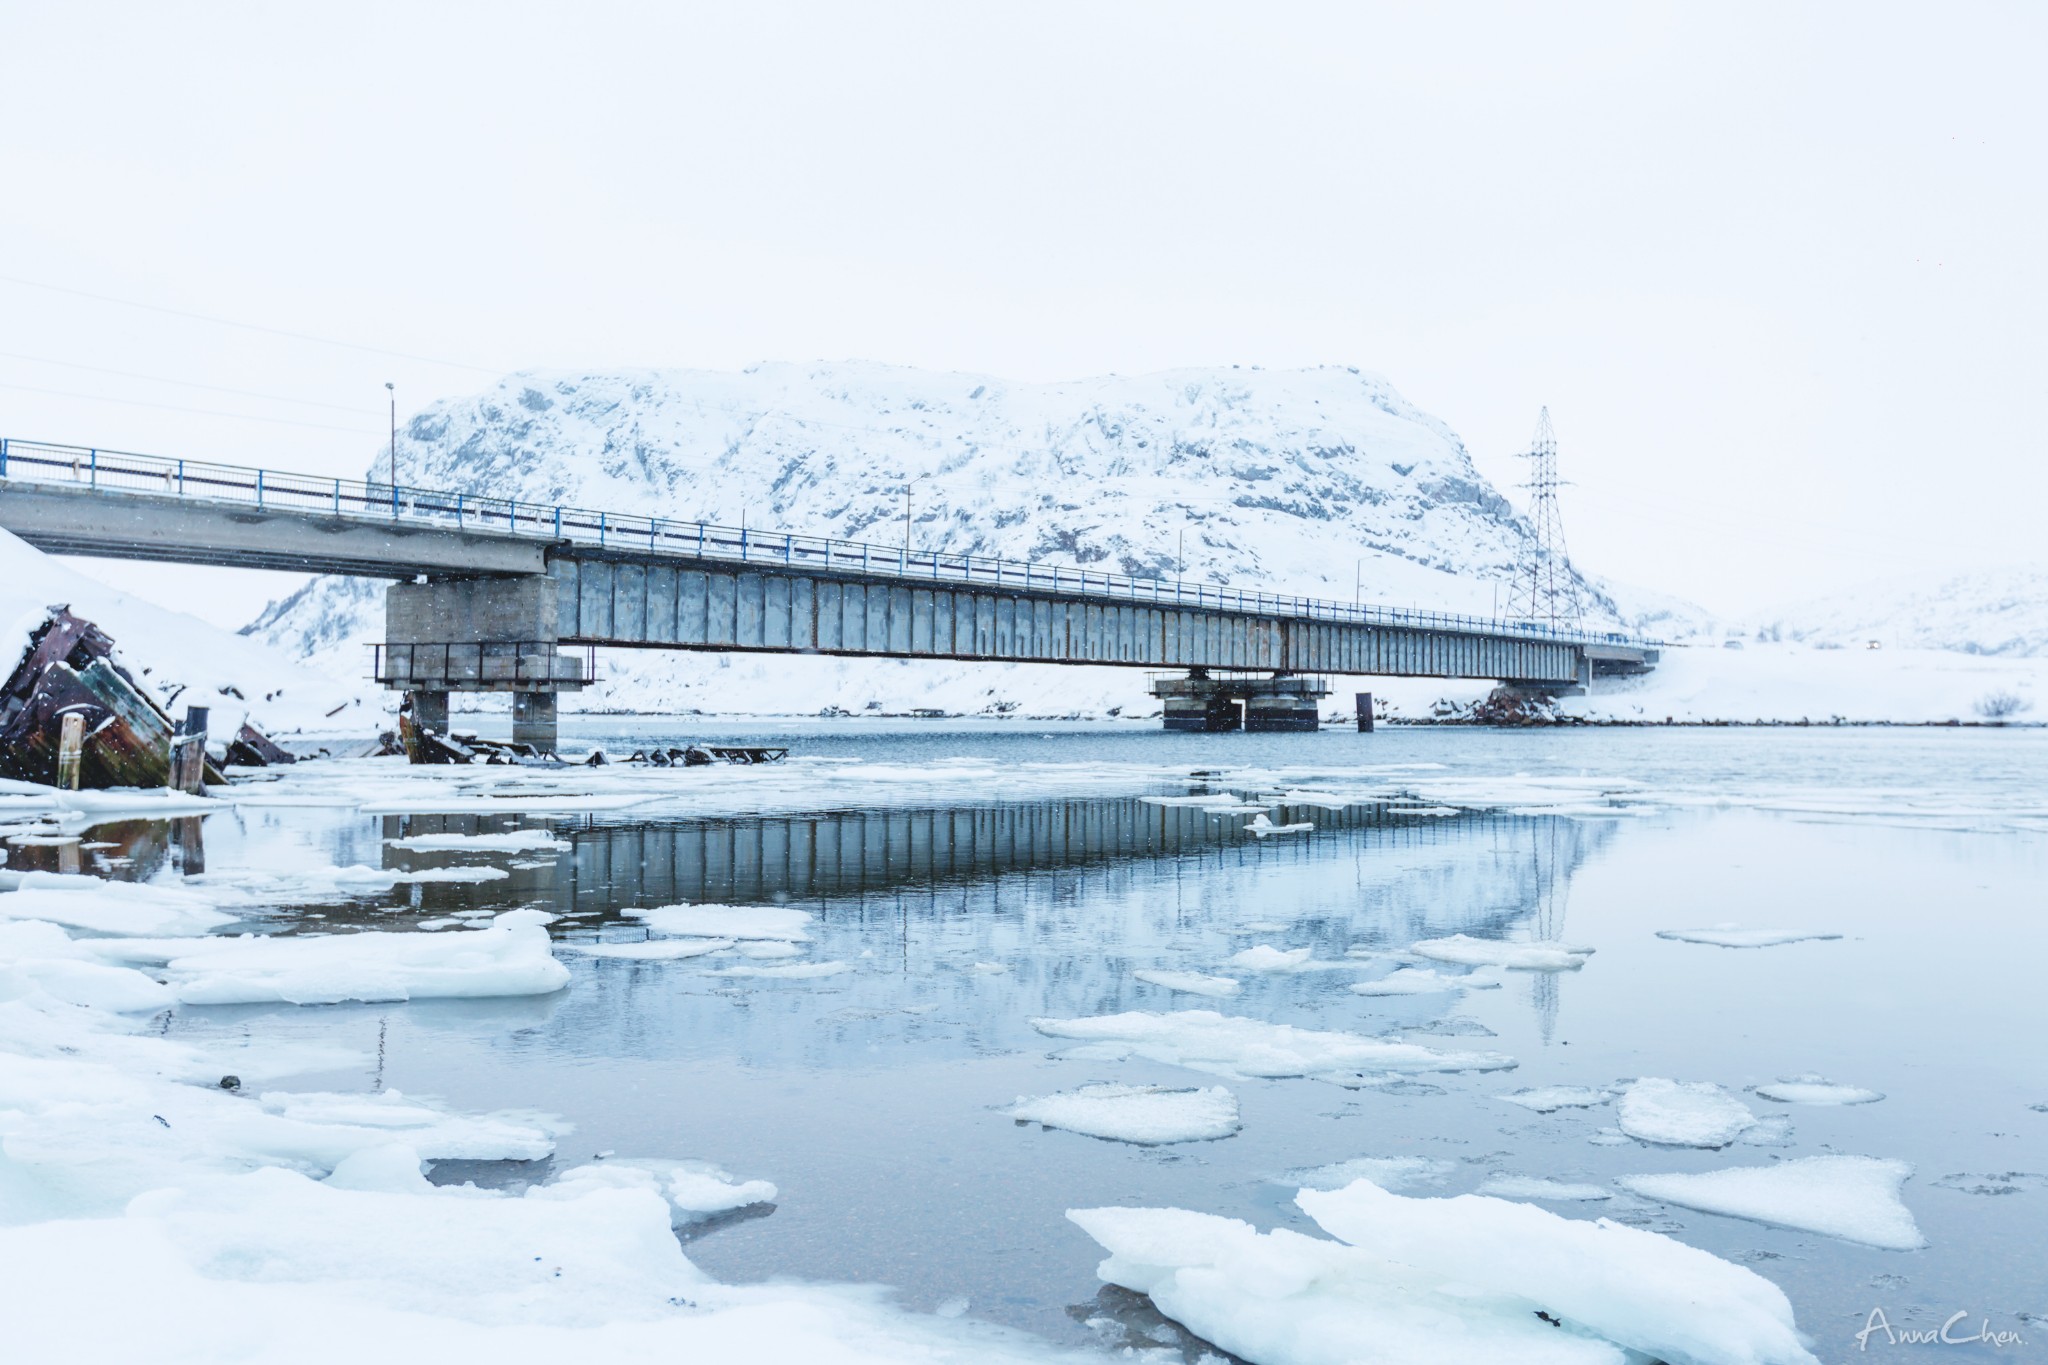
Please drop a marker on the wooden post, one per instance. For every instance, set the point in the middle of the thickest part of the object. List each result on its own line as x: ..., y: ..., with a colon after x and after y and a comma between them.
x: 188, y: 751
x: 70, y: 750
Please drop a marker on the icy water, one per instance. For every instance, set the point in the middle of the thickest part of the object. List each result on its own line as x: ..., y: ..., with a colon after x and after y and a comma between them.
x: 972, y: 888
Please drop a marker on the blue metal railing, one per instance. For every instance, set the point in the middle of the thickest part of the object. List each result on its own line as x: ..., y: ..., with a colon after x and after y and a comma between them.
x: 109, y: 472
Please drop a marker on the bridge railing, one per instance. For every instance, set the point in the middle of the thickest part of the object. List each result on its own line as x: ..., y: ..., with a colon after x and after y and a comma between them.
x: 123, y: 472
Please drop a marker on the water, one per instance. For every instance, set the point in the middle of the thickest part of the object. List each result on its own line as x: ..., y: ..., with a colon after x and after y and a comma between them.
x: 873, y: 1099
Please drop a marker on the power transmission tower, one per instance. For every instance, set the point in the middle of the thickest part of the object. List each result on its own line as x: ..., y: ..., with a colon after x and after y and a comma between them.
x: 1544, y: 587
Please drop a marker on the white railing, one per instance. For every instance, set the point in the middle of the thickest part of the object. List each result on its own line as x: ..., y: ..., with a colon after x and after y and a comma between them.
x: 122, y: 472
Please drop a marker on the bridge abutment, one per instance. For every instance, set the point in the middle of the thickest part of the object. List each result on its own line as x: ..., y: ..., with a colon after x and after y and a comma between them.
x: 479, y: 635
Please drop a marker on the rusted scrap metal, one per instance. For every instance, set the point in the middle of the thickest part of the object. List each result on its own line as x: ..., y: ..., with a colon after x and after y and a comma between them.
x: 251, y: 748
x: 69, y: 669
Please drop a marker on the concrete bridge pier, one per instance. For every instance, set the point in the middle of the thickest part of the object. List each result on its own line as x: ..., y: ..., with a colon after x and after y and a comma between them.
x: 1212, y: 702
x: 448, y: 635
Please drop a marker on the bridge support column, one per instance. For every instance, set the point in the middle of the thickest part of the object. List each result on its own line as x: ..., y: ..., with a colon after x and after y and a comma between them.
x: 1206, y: 702
x: 533, y: 720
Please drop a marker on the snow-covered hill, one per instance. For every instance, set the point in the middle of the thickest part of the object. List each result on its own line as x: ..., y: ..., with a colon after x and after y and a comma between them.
x: 2002, y: 611
x: 1324, y: 482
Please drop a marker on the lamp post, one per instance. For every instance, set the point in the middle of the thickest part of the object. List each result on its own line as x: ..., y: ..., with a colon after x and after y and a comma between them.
x: 388, y: 388
x: 906, y: 513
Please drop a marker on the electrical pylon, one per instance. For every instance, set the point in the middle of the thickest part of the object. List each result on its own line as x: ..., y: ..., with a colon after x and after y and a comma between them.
x: 1544, y: 587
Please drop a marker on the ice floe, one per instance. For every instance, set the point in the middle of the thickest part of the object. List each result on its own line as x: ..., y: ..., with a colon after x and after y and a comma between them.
x: 1732, y: 936
x: 1548, y: 1099
x: 1387, y: 1172
x: 694, y: 1189
x: 507, y: 840
x: 1532, y: 1187
x: 1149, y: 1115
x: 1263, y: 827
x: 1855, y: 1198
x: 1229, y: 1046
x: 648, y: 950
x: 1190, y: 983
x: 1420, y: 981
x: 727, y: 921
x: 1443, y: 1280
x: 510, y: 956
x: 1486, y: 952
x: 1813, y: 1089
x: 107, y: 907
x: 1682, y: 1113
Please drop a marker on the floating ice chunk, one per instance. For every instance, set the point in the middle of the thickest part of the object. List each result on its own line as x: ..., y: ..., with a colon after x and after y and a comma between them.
x: 510, y: 956
x: 1201, y: 800
x: 649, y: 950
x: 1487, y: 952
x: 727, y: 921
x: 695, y: 1189
x: 1855, y: 1198
x: 1264, y: 926
x: 1636, y: 1289
x: 1548, y: 1099
x: 453, y: 874
x: 1418, y: 981
x: 106, y: 907
x: 1320, y: 800
x: 1530, y: 1187
x: 990, y: 969
x: 508, y: 840
x: 1190, y: 983
x: 1387, y: 1172
x: 1812, y: 1089
x: 1730, y: 936
x: 1434, y: 1280
x: 38, y: 956
x: 1266, y: 958
x: 793, y: 971
x: 393, y: 1168
x: 1262, y: 825
x: 766, y: 948
x: 1225, y: 1045
x: 1149, y: 1115
x: 1682, y: 1113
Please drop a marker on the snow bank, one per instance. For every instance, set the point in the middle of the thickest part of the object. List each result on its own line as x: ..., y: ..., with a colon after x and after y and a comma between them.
x: 1149, y: 1115
x: 510, y: 956
x: 1683, y: 1113
x: 1855, y: 1198
x: 1225, y: 1045
x: 1812, y: 1089
x: 1443, y: 1281
x: 1190, y: 983
x: 727, y: 921
x: 1485, y: 952
x: 1731, y: 936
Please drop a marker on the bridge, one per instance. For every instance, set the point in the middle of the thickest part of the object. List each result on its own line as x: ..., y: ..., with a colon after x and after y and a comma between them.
x: 488, y: 592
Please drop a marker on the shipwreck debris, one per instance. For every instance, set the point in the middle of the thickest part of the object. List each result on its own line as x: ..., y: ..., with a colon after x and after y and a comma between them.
x: 125, y: 739
x: 251, y: 748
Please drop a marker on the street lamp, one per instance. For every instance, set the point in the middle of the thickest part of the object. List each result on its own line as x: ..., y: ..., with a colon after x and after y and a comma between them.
x: 906, y: 513
x: 388, y: 388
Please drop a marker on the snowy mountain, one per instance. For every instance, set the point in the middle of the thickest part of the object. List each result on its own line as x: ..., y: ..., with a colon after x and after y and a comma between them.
x: 2002, y: 611
x: 1324, y: 482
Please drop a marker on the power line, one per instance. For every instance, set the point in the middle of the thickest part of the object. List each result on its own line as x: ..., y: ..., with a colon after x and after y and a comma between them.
x: 191, y: 384
x: 247, y: 326
x: 173, y: 407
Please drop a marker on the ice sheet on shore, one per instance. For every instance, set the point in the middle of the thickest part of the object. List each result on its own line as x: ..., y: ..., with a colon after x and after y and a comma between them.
x: 1813, y: 1089
x: 1190, y: 983
x: 1855, y: 1198
x: 506, y: 840
x: 1732, y: 936
x: 1485, y: 952
x: 1444, y: 1281
x: 108, y: 907
x: 1682, y: 1113
x: 1148, y: 1115
x: 510, y: 956
x: 1548, y: 1099
x: 727, y: 921
x: 1233, y: 1047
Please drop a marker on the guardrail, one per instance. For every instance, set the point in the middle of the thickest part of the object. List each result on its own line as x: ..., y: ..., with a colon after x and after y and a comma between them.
x: 124, y: 472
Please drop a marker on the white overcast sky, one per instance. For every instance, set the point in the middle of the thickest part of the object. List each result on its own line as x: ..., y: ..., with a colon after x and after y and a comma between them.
x: 1776, y: 269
